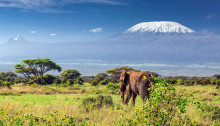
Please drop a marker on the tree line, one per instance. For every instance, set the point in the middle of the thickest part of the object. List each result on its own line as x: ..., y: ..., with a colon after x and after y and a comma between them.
x: 35, y: 71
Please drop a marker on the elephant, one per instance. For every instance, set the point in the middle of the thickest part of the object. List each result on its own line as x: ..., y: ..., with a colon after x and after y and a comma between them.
x: 135, y: 83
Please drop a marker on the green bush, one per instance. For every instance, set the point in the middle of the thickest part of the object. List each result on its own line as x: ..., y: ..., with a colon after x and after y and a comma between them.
x: 8, y: 93
x: 64, y: 80
x: 34, y: 85
x: 30, y: 81
x: 49, y: 79
x: 57, y: 81
x: 96, y: 91
x: 104, y: 82
x: 63, y: 85
x: 100, y: 101
x: 101, y: 76
x: 164, y: 107
x: 113, y: 87
x: 5, y: 84
x: 8, y: 79
x: 94, y: 82
x: 79, y: 80
x: 211, y: 112
x: 180, y: 81
x: 40, y: 80
x: 69, y: 82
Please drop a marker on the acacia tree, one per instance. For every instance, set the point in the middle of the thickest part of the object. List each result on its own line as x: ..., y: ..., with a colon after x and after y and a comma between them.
x: 116, y: 72
x: 37, y: 66
x: 70, y: 74
x: 23, y: 69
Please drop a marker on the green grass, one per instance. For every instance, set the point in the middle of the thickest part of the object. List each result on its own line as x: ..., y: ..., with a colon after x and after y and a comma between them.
x: 40, y: 108
x: 63, y: 99
x: 209, y: 97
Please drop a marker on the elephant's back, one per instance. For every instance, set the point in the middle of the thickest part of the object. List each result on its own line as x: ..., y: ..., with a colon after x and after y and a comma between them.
x: 139, y: 76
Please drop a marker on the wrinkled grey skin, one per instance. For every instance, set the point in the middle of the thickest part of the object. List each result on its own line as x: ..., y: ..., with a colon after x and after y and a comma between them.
x: 134, y: 83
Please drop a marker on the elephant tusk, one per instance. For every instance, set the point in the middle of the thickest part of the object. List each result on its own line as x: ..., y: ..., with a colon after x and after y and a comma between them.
x: 118, y: 92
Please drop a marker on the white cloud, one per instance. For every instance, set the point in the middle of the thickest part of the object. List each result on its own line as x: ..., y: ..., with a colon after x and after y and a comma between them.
x: 96, y: 30
x: 52, y: 34
x: 33, y: 32
x: 49, y: 6
x: 111, y: 2
x: 26, y: 3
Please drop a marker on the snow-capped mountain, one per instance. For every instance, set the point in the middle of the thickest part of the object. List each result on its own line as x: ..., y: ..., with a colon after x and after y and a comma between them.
x: 152, y: 31
x: 149, y: 41
x: 165, y: 41
x: 159, y: 26
x: 18, y: 40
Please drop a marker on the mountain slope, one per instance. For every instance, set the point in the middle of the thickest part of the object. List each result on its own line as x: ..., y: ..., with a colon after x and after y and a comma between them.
x: 159, y: 26
x: 164, y: 41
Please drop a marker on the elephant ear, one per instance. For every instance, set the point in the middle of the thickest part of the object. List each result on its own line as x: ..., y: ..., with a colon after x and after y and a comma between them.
x: 124, y: 78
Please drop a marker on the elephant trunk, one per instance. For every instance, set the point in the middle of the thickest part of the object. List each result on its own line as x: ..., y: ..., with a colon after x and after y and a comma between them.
x: 122, y: 96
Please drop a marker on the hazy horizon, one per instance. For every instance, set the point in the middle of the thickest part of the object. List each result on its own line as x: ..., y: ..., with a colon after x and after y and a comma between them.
x: 169, y: 37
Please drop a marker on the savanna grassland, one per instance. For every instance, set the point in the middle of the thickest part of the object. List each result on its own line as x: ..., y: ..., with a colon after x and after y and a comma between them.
x: 73, y: 105
x: 38, y: 98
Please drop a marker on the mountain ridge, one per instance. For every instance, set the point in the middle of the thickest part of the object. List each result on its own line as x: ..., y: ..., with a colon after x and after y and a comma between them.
x: 159, y: 26
x: 133, y: 46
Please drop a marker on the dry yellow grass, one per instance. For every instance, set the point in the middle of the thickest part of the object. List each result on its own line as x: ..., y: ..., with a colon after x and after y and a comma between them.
x: 66, y: 101
x: 208, y: 96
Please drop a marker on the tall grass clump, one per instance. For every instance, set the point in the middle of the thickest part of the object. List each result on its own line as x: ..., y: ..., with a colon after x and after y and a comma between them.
x: 100, y: 101
x: 113, y: 87
x: 163, y: 107
x: 211, y: 112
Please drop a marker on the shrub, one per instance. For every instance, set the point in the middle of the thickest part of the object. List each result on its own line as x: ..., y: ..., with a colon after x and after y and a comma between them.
x: 30, y: 81
x: 79, y: 80
x: 101, y: 76
x: 57, y: 81
x: 205, y: 82
x: 5, y: 84
x: 8, y: 79
x: 113, y: 80
x: 8, y: 93
x: 96, y: 91
x: 69, y: 82
x: 63, y: 85
x: 94, y: 82
x: 100, y: 101
x: 104, y: 82
x: 164, y: 107
x: 180, y: 82
x: 64, y: 80
x: 210, y: 112
x: 35, y: 85
x: 49, y: 79
x: 217, y: 76
x: 40, y: 80
x: 70, y: 74
x: 114, y: 87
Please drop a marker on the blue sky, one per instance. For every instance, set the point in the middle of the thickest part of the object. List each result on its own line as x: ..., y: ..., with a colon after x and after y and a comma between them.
x: 86, y: 20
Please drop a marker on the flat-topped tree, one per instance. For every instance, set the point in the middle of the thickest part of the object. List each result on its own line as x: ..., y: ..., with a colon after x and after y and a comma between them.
x: 116, y: 72
x: 70, y: 74
x: 23, y: 69
x: 39, y: 66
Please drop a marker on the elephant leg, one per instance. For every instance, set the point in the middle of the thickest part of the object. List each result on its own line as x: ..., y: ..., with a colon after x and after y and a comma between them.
x: 128, y: 94
x: 144, y: 93
x: 133, y: 97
